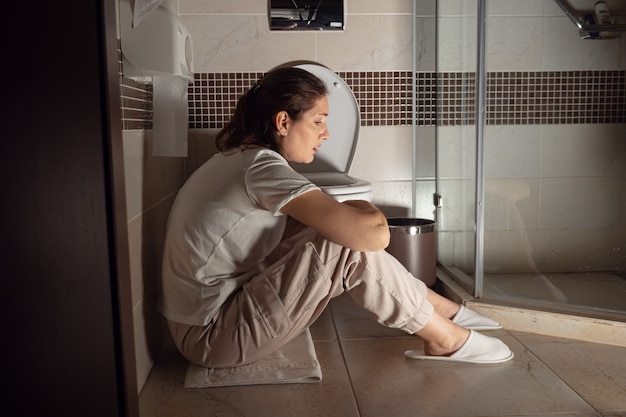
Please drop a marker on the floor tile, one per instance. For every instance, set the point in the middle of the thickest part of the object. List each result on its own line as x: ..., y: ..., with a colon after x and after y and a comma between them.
x: 386, y: 383
x: 323, y: 330
x: 365, y: 374
x: 597, y: 372
x: 165, y: 396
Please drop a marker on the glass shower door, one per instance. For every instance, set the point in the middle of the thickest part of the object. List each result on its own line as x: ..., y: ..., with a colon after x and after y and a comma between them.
x: 456, y: 139
x: 532, y: 185
x: 554, y: 164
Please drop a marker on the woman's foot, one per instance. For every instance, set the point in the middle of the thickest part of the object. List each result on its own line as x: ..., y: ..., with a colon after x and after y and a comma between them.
x: 477, y: 349
x: 441, y: 336
x: 447, y: 349
x: 459, y: 314
x: 475, y: 321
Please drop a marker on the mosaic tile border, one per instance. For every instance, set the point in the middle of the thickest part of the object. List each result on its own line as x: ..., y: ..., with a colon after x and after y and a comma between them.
x: 556, y: 97
x: 443, y: 99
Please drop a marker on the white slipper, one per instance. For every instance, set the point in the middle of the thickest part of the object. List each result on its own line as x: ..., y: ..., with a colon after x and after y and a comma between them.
x: 474, y: 321
x: 478, y: 348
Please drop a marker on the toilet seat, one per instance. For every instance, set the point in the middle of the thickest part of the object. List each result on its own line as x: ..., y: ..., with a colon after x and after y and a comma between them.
x: 329, y: 169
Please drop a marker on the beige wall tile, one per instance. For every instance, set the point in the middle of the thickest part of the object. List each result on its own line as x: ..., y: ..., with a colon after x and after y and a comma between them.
x: 232, y: 43
x: 583, y: 150
x: 383, y: 153
x: 146, y: 238
x: 511, y: 203
x: 582, y: 202
x: 393, y: 197
x: 456, y: 146
x: 385, y: 7
x: 514, y: 43
x: 201, y: 148
x: 509, y: 251
x: 447, y: 8
x: 133, y: 143
x: 150, y: 337
x: 458, y: 196
x: 564, y: 50
x: 425, y: 44
x: 369, y: 43
x: 223, y: 7
x: 516, y: 8
x: 148, y: 179
x: 162, y: 175
x: 512, y: 151
x: 136, y: 244
x: 456, y: 44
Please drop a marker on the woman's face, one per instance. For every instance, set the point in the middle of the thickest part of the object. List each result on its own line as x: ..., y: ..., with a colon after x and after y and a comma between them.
x: 299, y: 139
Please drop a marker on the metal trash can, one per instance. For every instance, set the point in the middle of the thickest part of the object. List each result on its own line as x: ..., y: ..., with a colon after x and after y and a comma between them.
x: 413, y: 244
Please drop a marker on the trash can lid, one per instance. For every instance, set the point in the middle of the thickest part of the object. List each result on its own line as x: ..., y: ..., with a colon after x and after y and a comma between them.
x: 411, y: 226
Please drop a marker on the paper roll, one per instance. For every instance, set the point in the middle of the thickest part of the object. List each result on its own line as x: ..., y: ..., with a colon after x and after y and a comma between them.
x: 169, y: 116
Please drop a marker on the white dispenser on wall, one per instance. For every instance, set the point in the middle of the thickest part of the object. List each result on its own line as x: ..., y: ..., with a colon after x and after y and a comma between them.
x: 158, y: 45
x: 158, y: 50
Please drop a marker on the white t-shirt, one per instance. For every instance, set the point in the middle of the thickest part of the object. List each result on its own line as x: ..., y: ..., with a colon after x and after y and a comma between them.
x: 224, y: 222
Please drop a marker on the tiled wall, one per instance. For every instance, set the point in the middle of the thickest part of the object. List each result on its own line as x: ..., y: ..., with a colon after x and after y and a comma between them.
x: 151, y: 186
x: 444, y: 99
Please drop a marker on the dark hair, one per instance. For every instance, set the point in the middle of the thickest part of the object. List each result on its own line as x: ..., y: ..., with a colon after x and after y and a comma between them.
x: 288, y: 89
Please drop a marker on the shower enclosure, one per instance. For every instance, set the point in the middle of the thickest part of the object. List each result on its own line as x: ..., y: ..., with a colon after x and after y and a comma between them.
x: 531, y: 156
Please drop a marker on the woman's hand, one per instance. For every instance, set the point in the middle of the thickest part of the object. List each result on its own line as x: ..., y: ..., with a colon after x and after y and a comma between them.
x: 355, y: 224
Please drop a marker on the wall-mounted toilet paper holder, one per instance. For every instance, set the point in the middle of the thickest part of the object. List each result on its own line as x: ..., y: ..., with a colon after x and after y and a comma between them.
x: 158, y: 45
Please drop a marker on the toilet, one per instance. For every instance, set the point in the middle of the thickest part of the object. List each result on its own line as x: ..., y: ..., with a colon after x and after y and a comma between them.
x: 329, y: 169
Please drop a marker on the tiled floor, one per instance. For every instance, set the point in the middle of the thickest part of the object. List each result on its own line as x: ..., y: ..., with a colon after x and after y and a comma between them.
x: 366, y: 374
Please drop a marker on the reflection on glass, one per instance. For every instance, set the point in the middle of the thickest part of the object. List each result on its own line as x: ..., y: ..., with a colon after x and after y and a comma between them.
x: 508, y: 252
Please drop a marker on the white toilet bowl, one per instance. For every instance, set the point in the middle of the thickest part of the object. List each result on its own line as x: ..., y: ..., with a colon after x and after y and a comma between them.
x: 329, y: 170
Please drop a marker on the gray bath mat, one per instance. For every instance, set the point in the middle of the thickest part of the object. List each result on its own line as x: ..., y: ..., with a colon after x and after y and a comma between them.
x: 295, y: 363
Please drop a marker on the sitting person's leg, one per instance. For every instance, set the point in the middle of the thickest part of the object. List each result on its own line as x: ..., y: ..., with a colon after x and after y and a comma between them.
x: 305, y: 272
x: 272, y: 308
x: 444, y: 306
x: 459, y: 314
x: 381, y: 285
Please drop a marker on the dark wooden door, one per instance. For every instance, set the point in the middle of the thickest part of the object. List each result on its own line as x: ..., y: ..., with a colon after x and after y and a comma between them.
x: 62, y: 338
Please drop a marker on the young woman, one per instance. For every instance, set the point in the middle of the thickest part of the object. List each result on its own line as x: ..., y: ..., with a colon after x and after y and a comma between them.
x: 254, y: 252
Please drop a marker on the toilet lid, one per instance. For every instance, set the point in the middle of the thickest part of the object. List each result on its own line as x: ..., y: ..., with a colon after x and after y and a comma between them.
x: 338, y: 183
x: 343, y: 123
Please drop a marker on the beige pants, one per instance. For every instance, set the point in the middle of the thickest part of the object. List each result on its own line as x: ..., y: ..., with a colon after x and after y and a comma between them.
x: 306, y: 271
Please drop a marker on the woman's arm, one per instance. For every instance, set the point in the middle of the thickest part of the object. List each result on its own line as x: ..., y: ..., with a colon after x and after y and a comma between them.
x: 355, y: 224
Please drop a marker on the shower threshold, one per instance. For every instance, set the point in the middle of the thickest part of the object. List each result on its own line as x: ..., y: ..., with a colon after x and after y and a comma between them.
x: 557, y: 314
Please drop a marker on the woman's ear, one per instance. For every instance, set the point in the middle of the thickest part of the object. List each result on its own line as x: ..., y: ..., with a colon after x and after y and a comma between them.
x: 282, y: 122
